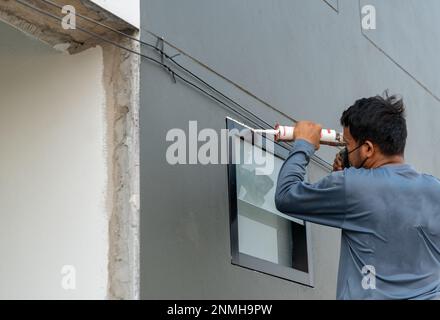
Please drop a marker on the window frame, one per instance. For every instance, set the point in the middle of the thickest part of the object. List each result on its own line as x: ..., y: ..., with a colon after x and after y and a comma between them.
x: 250, y: 262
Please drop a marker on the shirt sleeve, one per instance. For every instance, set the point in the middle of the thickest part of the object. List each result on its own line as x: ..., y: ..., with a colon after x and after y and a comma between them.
x: 322, y: 202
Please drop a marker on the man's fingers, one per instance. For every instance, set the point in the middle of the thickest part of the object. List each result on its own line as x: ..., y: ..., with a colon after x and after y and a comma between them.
x: 338, y: 163
x: 339, y: 158
x: 308, y: 131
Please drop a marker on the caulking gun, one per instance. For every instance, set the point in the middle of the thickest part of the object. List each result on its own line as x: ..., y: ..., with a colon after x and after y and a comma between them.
x: 286, y: 133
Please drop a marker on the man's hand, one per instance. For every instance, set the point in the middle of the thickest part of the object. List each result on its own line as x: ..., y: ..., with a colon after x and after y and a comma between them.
x: 337, y: 164
x: 309, y: 131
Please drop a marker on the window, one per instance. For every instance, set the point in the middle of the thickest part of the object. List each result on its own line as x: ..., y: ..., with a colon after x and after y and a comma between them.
x: 262, y: 238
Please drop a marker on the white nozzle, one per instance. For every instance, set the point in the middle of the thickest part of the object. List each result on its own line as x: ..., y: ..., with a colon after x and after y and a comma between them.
x: 269, y: 131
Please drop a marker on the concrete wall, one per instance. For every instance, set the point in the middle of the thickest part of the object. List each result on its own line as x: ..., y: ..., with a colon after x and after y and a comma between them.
x: 311, y: 60
x: 54, y: 179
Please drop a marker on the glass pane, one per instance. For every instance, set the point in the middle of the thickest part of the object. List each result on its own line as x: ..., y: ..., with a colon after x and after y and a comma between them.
x: 258, y: 190
x: 263, y: 231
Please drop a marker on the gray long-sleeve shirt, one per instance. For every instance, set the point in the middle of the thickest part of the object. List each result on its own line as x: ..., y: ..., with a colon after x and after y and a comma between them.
x: 390, y: 221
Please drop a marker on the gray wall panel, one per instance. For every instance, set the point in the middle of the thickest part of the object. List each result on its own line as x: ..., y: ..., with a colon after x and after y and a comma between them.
x: 301, y: 56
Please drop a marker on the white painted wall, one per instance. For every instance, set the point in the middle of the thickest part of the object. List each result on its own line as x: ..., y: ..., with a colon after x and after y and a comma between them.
x: 53, y: 173
x: 128, y: 10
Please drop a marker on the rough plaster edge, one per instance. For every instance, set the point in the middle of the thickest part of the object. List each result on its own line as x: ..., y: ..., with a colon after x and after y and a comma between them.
x: 121, y: 80
x: 45, y: 35
x: 47, y: 30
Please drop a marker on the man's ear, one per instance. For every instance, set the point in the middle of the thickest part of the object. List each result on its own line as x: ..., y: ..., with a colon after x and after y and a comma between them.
x: 369, y: 148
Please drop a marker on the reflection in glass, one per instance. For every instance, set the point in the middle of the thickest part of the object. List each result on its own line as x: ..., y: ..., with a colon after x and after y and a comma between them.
x: 263, y: 232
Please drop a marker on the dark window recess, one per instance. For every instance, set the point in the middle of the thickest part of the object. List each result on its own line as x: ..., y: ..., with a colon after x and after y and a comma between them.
x: 262, y: 238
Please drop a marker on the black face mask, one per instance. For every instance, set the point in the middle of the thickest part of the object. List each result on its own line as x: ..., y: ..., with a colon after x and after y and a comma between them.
x: 344, y: 155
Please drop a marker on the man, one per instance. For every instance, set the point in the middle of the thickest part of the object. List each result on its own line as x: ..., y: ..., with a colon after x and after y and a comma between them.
x: 389, y: 213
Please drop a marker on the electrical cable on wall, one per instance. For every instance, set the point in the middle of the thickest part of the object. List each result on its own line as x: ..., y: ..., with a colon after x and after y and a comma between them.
x: 162, y: 53
x: 241, y: 88
x: 175, y: 75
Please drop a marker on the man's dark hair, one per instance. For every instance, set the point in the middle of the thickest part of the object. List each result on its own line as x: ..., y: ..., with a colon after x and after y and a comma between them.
x: 380, y: 120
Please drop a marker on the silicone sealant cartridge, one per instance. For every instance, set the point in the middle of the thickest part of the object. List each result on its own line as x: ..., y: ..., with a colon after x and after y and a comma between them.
x: 287, y: 133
